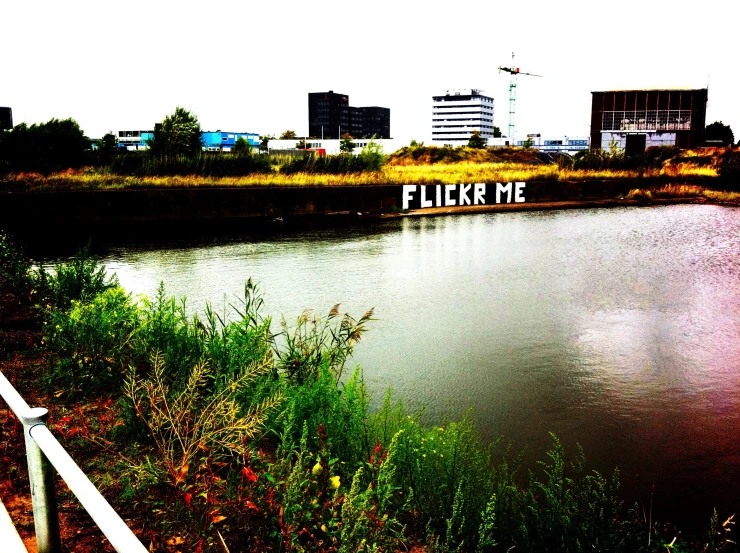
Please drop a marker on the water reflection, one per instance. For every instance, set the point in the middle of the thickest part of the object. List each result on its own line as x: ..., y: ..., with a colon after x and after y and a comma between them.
x: 614, y: 328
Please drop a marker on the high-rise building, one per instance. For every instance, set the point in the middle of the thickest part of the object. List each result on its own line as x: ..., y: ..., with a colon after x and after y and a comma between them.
x: 457, y: 113
x: 330, y: 116
x: 6, y: 119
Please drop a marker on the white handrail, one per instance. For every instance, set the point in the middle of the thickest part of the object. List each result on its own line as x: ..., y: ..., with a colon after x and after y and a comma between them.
x: 12, y: 542
x: 43, y: 451
x: 120, y: 536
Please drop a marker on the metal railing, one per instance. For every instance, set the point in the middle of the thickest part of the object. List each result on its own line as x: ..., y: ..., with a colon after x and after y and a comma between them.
x: 44, y: 452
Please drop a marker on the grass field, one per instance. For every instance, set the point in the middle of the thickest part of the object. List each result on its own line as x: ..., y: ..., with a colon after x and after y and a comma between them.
x: 451, y: 173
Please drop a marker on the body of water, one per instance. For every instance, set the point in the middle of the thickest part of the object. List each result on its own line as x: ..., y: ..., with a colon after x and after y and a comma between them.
x: 614, y: 328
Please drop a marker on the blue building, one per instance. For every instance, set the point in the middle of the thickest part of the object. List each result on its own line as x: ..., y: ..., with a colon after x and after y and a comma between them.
x: 212, y: 141
x: 224, y: 141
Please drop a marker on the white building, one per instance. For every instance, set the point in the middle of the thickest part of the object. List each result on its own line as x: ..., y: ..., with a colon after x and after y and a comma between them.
x: 569, y: 144
x: 331, y: 145
x: 457, y: 113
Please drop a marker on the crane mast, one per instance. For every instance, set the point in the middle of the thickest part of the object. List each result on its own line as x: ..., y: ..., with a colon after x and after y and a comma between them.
x: 514, y: 71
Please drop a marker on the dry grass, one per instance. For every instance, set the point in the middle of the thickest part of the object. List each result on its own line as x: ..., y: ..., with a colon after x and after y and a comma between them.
x: 718, y: 196
x: 438, y: 173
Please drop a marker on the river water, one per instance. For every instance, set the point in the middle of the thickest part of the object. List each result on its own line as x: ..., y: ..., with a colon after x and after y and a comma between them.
x: 613, y: 328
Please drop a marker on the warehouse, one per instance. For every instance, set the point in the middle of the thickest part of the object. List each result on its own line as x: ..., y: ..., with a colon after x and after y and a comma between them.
x: 637, y: 119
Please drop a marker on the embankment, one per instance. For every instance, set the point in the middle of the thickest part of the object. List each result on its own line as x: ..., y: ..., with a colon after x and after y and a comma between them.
x: 64, y: 215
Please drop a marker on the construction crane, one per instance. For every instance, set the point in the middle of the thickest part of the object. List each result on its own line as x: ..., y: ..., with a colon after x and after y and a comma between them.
x: 512, y: 93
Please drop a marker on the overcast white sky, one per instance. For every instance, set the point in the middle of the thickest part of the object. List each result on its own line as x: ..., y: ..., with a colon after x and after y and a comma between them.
x: 248, y: 66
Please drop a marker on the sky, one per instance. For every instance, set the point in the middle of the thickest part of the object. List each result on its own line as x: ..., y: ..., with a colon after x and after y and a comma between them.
x: 248, y: 66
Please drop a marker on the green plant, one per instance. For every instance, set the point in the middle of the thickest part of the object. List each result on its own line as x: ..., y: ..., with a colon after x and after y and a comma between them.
x: 345, y: 144
x: 190, y: 423
x: 372, y: 156
x: 340, y: 409
x: 15, y: 269
x: 93, y: 342
x: 178, y: 134
x: 81, y: 278
x: 316, y: 341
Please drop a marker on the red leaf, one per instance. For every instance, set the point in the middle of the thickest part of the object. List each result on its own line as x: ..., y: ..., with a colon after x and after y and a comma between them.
x: 188, y: 499
x: 249, y: 474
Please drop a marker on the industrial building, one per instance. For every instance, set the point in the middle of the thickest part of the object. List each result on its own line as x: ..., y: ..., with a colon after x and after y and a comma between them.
x: 637, y: 119
x: 330, y: 116
x: 217, y: 141
x: 326, y: 146
x: 457, y: 113
x: 6, y: 119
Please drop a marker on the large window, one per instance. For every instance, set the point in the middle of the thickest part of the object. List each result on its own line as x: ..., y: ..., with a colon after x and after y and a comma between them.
x: 650, y: 120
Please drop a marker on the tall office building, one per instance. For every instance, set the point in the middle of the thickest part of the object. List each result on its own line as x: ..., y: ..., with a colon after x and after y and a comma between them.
x: 6, y: 119
x: 330, y: 116
x: 457, y: 113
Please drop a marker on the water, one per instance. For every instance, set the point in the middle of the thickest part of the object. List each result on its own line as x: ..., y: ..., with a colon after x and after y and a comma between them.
x: 617, y: 329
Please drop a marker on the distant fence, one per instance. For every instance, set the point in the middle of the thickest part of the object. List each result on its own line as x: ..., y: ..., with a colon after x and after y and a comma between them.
x: 43, y: 452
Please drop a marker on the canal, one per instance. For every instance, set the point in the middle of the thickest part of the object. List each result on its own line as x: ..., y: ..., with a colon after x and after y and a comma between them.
x: 613, y: 328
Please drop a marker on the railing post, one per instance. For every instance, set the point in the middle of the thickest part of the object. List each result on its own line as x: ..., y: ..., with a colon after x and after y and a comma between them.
x: 41, y: 480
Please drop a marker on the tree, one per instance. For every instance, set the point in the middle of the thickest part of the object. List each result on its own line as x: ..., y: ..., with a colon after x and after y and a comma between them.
x: 264, y: 142
x: 477, y: 141
x: 241, y: 147
x: 107, y: 147
x: 718, y: 131
x: 372, y: 156
x: 178, y: 134
x: 345, y: 144
x: 288, y: 135
x: 45, y: 147
x: 301, y: 144
x: 496, y: 132
x: 528, y: 143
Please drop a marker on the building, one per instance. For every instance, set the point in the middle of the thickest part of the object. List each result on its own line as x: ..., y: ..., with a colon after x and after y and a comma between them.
x: 637, y: 119
x: 134, y: 140
x: 224, y: 141
x: 457, y: 113
x: 212, y: 141
x: 6, y: 119
x: 327, y: 145
x: 330, y: 116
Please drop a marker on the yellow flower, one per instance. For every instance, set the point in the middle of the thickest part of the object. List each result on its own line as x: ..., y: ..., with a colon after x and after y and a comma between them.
x: 323, y: 527
x: 317, y: 468
x: 334, y: 482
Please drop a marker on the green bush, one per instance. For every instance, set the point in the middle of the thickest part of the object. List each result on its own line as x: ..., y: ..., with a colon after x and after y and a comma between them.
x: 93, y: 342
x: 15, y: 269
x: 80, y: 279
x: 45, y: 147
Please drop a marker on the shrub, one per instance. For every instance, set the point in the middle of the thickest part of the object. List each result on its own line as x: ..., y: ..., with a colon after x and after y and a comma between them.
x: 15, y: 269
x: 314, y: 341
x: 93, y: 342
x: 729, y: 169
x: 192, y: 422
x: 340, y: 410
x: 80, y: 279
x: 45, y: 147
